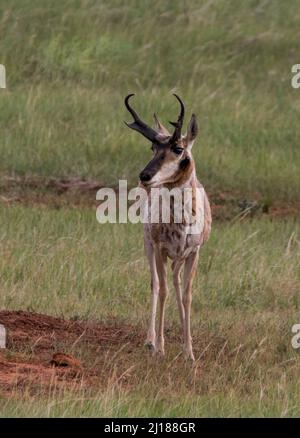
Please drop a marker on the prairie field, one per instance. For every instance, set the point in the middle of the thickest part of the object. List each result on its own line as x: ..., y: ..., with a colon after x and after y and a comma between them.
x: 70, y: 285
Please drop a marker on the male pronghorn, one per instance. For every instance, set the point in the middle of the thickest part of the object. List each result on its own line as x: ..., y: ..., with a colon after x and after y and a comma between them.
x: 172, y: 166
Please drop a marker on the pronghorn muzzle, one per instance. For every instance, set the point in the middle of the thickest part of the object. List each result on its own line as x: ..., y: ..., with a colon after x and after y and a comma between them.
x: 152, y: 168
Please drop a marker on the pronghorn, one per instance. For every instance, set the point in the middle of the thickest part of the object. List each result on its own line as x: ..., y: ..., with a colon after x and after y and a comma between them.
x: 172, y: 165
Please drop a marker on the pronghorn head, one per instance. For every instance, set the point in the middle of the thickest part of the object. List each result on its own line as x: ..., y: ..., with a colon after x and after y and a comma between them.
x: 172, y: 162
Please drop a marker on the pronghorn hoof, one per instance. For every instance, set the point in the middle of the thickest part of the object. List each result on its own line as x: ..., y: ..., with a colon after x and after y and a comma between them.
x: 189, y: 357
x: 160, y: 353
x: 150, y: 346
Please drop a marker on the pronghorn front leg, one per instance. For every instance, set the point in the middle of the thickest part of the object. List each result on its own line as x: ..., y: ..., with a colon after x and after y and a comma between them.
x: 151, y: 335
x: 189, y: 274
x: 161, y: 266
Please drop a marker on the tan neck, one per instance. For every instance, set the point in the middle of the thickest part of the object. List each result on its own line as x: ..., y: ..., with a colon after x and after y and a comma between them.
x: 184, y: 178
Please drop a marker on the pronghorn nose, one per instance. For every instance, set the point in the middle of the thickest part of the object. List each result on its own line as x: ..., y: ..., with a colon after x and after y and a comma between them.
x: 145, y: 176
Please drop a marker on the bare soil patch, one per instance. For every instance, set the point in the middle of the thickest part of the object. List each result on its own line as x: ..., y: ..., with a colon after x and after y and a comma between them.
x: 46, y: 353
x: 42, y: 350
x: 77, y: 192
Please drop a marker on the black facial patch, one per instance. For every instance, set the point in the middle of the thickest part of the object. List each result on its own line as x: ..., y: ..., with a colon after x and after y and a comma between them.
x: 155, y: 164
x: 184, y: 163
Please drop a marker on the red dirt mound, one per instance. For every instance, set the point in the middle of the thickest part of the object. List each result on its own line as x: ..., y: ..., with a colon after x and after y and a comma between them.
x: 42, y: 350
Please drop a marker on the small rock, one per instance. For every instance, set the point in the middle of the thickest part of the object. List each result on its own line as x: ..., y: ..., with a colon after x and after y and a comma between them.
x: 65, y: 360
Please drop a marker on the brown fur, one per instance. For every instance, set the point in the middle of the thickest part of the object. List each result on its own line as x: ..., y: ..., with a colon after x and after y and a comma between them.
x: 170, y: 240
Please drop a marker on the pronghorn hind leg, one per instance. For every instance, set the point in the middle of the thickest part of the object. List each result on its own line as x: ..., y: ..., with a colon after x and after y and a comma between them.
x: 189, y: 274
x: 151, y: 334
x: 176, y: 268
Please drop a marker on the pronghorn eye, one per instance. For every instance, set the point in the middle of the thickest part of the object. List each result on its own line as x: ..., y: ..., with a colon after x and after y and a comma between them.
x: 177, y: 150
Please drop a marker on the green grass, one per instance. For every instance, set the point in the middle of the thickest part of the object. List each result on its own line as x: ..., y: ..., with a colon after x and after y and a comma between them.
x: 69, y: 66
x: 113, y: 404
x: 65, y: 262
x: 246, y: 299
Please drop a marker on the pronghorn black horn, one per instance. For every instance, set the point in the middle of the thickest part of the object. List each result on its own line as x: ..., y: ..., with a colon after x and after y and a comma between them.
x: 178, y: 125
x: 138, y: 125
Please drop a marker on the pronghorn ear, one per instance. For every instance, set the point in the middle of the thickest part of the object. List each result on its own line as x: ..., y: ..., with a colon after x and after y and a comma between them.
x: 160, y: 127
x: 192, y: 131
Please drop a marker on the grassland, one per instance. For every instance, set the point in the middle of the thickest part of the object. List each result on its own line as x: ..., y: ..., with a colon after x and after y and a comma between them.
x: 69, y: 65
x: 65, y: 263
x: 246, y: 299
